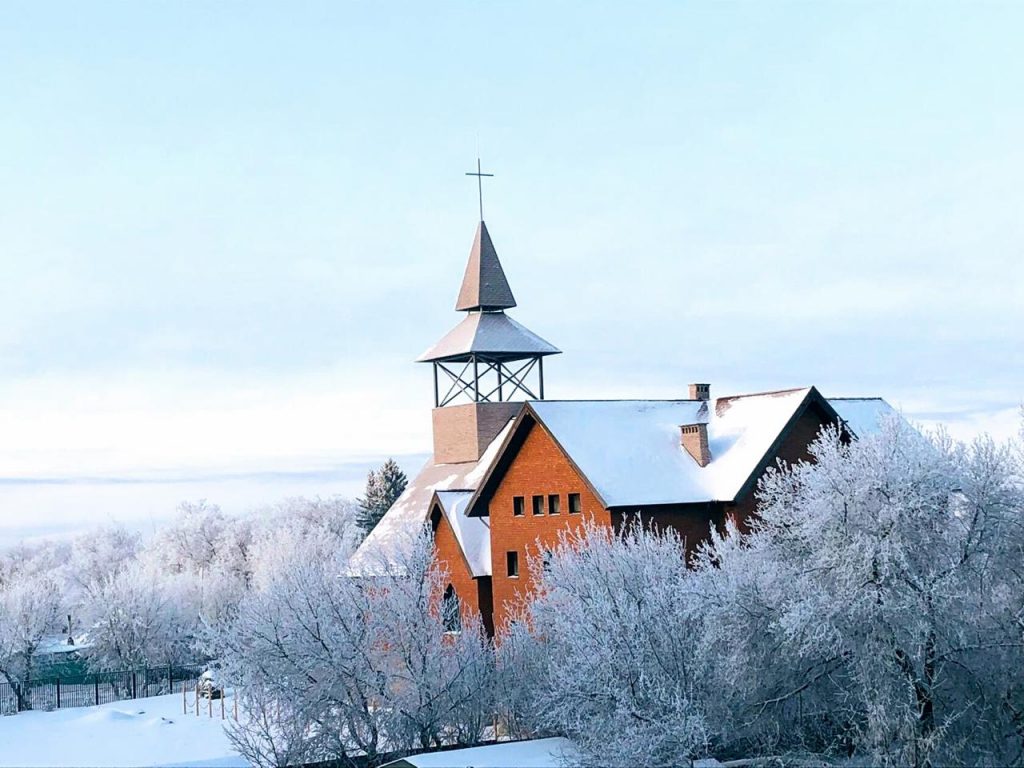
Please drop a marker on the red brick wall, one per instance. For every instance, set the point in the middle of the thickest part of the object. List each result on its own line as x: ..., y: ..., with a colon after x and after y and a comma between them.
x: 448, y: 555
x: 539, y: 468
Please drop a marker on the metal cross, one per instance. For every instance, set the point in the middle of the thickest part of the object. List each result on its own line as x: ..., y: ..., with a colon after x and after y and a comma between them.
x: 480, y: 185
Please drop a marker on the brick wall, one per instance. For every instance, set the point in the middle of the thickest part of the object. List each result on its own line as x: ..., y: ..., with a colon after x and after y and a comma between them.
x: 448, y: 555
x: 538, y: 468
x: 462, y: 432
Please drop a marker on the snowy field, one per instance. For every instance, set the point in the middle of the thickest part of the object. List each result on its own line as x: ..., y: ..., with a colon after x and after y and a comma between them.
x: 142, y: 733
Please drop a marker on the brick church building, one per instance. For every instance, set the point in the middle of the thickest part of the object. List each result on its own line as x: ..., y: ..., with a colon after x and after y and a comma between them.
x: 510, y: 470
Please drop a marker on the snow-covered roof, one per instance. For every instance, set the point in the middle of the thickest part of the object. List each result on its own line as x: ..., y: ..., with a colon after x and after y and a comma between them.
x: 472, y: 533
x: 412, y: 507
x: 487, y: 333
x: 863, y: 415
x: 630, y: 450
x: 533, y: 753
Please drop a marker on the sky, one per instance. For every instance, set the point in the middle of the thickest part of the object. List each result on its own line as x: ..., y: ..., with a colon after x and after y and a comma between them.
x: 227, y: 229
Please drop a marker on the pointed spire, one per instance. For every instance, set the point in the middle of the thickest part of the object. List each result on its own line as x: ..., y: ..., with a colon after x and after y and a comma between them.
x: 484, y: 286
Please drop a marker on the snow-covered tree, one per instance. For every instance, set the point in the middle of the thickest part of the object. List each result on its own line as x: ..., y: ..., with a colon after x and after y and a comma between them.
x: 876, y: 605
x: 300, y: 650
x: 383, y: 487
x: 354, y: 665
x: 605, y: 651
x: 139, y: 617
x: 440, y: 683
x: 299, y: 527
x: 29, y: 610
x: 98, y: 554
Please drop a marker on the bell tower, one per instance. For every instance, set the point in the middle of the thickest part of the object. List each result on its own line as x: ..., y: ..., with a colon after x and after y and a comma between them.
x: 487, y: 364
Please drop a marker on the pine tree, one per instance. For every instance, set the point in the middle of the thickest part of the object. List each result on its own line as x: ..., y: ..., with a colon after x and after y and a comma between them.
x: 383, y: 487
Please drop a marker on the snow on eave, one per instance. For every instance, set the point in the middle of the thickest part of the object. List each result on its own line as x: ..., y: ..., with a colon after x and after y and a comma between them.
x: 412, y: 509
x: 472, y: 534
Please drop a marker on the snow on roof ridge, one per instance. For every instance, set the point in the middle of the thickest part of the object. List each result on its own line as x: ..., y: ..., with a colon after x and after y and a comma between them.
x: 787, y: 391
x: 632, y: 453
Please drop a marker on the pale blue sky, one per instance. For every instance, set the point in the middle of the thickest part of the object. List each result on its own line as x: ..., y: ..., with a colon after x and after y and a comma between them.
x: 226, y: 229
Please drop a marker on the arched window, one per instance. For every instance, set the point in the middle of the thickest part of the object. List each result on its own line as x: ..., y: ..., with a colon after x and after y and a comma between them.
x: 451, y: 611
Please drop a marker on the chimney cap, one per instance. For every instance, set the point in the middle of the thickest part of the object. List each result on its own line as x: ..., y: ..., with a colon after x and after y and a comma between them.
x: 700, y: 391
x: 694, y: 438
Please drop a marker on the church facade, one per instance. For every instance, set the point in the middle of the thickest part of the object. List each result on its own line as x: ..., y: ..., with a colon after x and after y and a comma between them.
x: 511, y: 471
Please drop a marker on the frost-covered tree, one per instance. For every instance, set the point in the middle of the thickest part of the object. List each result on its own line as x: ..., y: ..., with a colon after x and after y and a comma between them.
x: 98, y: 554
x: 139, y: 617
x: 440, y: 682
x: 605, y: 651
x: 192, y: 541
x: 383, y: 487
x: 337, y: 665
x: 876, y: 605
x: 29, y: 610
x: 299, y: 527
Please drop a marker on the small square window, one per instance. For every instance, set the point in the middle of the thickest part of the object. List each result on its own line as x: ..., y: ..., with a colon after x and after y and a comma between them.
x: 553, y: 504
x: 575, y: 506
x: 512, y: 560
x: 538, y: 505
x: 518, y: 506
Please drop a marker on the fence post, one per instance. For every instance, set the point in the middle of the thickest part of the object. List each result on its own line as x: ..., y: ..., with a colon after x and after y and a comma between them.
x: 58, y: 693
x: 134, y: 689
x: 17, y: 697
x: 96, y: 686
x: 170, y: 678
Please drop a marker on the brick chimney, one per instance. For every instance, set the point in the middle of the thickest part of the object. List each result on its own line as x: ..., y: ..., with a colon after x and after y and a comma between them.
x: 694, y: 438
x: 700, y: 391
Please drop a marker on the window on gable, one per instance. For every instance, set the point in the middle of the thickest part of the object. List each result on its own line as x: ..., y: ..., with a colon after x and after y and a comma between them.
x: 575, y: 505
x: 451, y: 614
x: 518, y: 506
x: 512, y: 560
x: 538, y: 505
x: 554, y: 503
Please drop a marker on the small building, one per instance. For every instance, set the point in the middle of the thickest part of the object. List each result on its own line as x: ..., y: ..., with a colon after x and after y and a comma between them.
x: 511, y: 470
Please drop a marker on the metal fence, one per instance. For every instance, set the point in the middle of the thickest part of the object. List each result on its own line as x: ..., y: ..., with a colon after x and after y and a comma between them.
x: 98, y: 688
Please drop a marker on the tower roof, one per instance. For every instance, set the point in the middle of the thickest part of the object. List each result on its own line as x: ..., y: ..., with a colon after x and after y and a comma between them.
x: 490, y: 334
x: 484, y: 286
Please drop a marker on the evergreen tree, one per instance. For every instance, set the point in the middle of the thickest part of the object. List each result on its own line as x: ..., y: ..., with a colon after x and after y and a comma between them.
x: 383, y: 487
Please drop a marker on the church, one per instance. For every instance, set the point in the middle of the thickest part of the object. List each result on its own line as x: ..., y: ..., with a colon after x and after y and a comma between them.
x: 511, y: 470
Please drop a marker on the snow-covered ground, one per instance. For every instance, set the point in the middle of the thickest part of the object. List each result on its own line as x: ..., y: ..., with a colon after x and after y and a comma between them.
x: 141, y: 732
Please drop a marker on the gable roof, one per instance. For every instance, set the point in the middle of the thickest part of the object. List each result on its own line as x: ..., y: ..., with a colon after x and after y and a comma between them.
x: 412, y: 508
x: 493, y: 334
x: 629, y: 451
x: 484, y: 285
